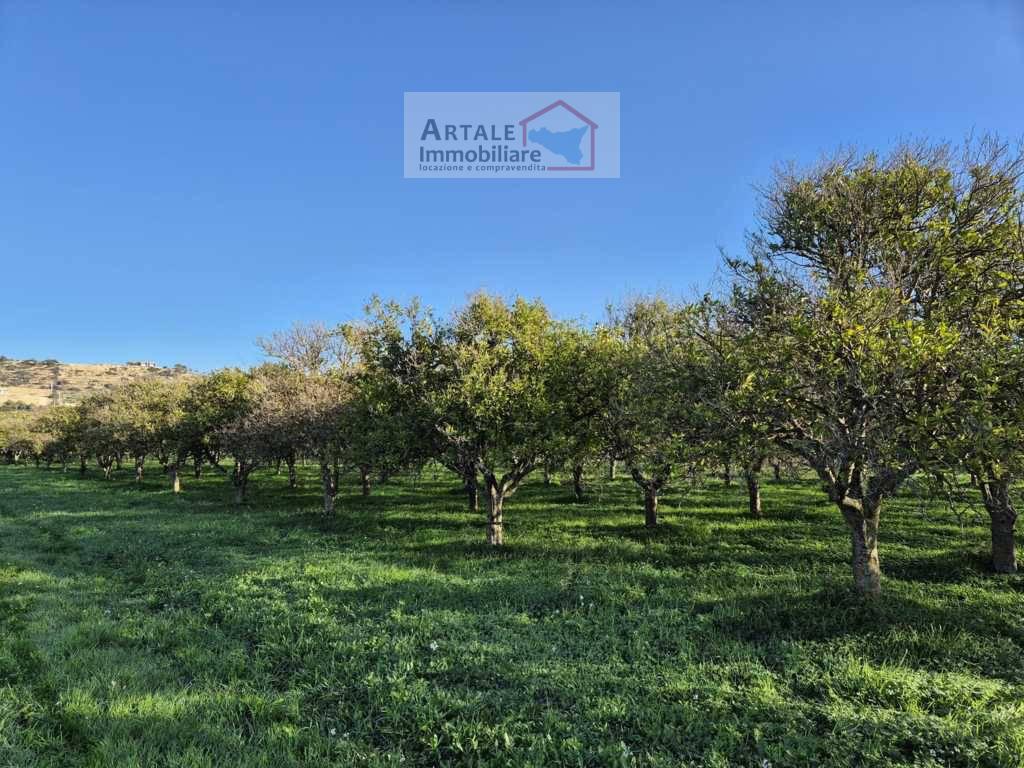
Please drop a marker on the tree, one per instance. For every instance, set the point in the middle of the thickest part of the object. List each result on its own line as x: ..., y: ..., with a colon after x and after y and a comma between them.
x: 982, y: 296
x: 988, y: 441
x: 58, y: 425
x: 655, y: 416
x: 319, y: 409
x: 738, y: 428
x: 248, y: 436
x: 978, y: 290
x: 494, y: 397
x: 580, y: 382
x: 307, y: 347
x: 63, y: 425
x: 401, y: 353
x: 20, y: 436
x: 147, y: 414
x: 98, y: 430
x: 375, y: 440
x: 208, y: 406
x: 279, y: 387
x: 316, y: 396
x: 851, y: 293
x: 475, y: 390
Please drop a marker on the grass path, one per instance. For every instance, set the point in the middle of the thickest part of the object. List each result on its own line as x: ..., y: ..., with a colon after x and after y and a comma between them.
x: 139, y: 629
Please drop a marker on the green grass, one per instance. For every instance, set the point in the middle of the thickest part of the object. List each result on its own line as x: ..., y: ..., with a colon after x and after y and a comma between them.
x: 139, y: 629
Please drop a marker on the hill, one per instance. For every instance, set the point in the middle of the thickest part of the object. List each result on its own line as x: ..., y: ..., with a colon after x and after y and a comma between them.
x: 38, y: 383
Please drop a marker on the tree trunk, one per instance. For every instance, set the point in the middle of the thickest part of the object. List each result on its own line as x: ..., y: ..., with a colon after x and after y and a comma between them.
x: 175, y: 479
x: 651, y: 506
x: 727, y: 472
x: 292, y: 477
x: 650, y: 487
x: 472, y: 490
x: 611, y: 469
x: 495, y: 521
x: 330, y: 489
x: 1002, y: 517
x: 241, y: 482
x: 577, y: 482
x: 547, y: 476
x: 140, y: 463
x: 64, y: 464
x: 752, y: 474
x: 754, y: 493
x: 81, y: 466
x: 863, y: 523
x: 197, y: 468
x: 777, y: 471
x: 364, y: 480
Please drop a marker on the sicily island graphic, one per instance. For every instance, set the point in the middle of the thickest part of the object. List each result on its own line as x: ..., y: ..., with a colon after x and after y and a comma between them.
x: 564, y: 143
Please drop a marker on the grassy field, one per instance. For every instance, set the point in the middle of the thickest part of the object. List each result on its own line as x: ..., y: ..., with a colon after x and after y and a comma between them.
x: 139, y: 629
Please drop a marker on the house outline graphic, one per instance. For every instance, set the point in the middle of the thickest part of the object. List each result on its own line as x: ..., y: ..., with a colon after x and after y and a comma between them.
x: 578, y: 114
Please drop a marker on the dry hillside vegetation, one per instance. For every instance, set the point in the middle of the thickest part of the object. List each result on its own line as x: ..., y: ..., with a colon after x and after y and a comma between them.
x: 44, y: 382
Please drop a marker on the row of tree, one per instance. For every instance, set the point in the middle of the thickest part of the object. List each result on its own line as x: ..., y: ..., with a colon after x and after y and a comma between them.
x: 874, y: 330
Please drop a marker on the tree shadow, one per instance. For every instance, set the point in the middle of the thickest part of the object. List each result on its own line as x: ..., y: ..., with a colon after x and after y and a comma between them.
x: 895, y: 628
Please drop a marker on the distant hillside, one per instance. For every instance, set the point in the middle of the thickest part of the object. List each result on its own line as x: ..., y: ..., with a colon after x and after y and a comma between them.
x: 39, y: 383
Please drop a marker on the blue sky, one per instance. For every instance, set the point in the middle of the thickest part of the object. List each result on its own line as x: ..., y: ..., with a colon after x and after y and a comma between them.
x: 178, y: 178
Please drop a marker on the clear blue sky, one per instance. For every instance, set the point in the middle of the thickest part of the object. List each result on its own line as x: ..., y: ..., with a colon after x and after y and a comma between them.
x: 177, y: 178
